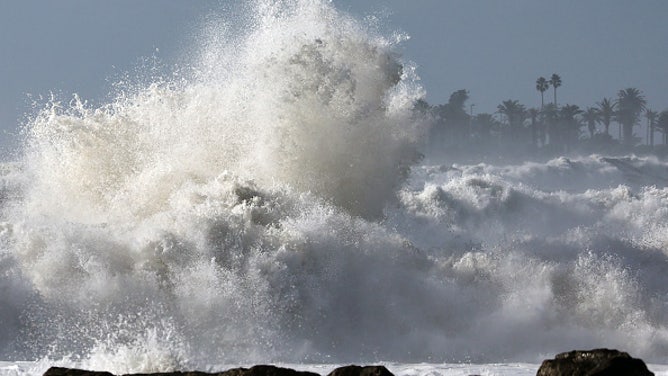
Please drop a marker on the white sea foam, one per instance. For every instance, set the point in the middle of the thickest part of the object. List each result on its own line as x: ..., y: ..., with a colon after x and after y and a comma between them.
x: 260, y: 209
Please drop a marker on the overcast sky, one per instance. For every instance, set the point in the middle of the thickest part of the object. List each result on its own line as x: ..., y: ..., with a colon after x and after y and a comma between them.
x: 494, y: 49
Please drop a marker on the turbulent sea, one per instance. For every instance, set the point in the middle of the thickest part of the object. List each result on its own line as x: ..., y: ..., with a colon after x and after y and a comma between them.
x: 266, y: 203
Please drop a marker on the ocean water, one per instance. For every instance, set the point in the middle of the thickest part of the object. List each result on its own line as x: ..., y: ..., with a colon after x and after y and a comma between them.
x: 267, y: 203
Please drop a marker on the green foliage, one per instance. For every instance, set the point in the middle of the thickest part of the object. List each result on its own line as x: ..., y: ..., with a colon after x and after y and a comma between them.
x: 591, y: 117
x: 555, y: 81
x: 452, y: 120
x: 542, y: 85
x: 662, y: 125
x: 606, y: 109
x: 551, y: 127
x: 630, y: 104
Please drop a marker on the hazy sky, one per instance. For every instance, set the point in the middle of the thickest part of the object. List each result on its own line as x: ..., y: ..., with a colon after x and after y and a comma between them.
x: 494, y: 49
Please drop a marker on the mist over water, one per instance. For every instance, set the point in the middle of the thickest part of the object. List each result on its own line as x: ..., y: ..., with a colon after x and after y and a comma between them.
x: 266, y: 203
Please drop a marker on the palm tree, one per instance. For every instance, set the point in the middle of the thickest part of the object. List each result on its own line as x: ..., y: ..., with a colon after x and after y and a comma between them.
x: 550, y: 120
x: 555, y: 81
x: 591, y: 116
x: 662, y: 125
x: 515, y: 114
x: 542, y: 85
x: 606, y: 109
x: 533, y: 114
x: 454, y: 116
x: 569, y: 123
x: 651, y: 117
x: 630, y: 104
x: 484, y: 124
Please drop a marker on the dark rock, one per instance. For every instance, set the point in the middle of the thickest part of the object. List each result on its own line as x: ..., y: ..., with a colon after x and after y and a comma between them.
x: 175, y: 373
x: 263, y: 370
x: 259, y: 370
x: 353, y: 370
x: 598, y: 362
x: 59, y: 371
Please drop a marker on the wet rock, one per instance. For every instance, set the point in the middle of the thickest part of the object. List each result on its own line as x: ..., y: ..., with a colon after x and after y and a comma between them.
x: 354, y: 370
x: 60, y: 371
x: 259, y: 370
x: 597, y: 362
x: 264, y: 370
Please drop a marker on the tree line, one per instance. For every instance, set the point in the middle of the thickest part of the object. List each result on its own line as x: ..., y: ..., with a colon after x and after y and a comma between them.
x: 554, y: 127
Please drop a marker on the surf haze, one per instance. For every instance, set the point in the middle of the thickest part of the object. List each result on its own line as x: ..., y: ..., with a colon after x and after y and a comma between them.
x: 266, y: 201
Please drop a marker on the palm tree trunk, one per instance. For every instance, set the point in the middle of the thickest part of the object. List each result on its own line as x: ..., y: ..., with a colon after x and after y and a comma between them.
x: 628, y: 134
x: 555, y: 97
x: 651, y: 134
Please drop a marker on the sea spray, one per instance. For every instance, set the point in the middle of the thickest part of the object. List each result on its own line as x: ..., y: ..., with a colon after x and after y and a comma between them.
x: 190, y: 202
x: 258, y: 206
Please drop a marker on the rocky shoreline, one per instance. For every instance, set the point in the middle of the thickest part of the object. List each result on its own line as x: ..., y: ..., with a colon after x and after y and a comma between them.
x: 258, y: 370
x: 597, y: 362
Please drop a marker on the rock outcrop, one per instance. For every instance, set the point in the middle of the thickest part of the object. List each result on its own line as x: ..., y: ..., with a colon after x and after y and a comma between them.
x: 259, y: 370
x: 361, y: 371
x: 60, y: 371
x: 264, y: 370
x: 598, y: 362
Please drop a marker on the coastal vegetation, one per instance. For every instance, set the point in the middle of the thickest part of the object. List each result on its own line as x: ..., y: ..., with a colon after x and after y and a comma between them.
x: 553, y: 128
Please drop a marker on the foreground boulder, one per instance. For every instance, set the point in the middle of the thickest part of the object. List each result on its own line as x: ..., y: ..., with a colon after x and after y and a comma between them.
x: 260, y: 370
x: 60, y: 371
x: 263, y: 370
x: 598, y: 362
x: 361, y: 371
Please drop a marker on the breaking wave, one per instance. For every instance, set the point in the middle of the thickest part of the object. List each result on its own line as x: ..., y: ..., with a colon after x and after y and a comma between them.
x: 267, y: 204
